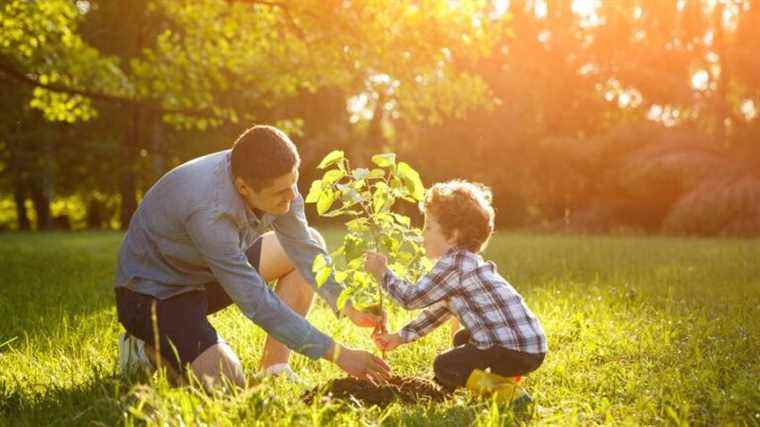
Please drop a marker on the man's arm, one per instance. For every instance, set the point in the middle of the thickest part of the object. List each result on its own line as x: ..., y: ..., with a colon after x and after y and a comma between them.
x: 218, y: 241
x: 426, y: 321
x: 292, y: 230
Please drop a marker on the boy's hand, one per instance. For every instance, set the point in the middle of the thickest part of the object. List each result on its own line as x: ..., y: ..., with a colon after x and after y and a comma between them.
x: 387, y: 342
x: 375, y: 264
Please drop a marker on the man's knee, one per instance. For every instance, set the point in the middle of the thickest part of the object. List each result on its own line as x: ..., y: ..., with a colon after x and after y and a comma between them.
x: 316, y: 235
x: 217, y: 362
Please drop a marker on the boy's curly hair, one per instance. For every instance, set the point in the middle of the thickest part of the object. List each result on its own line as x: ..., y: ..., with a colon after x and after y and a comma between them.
x: 465, y: 207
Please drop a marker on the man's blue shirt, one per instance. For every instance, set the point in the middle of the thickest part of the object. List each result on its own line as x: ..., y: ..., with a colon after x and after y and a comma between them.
x: 193, y: 228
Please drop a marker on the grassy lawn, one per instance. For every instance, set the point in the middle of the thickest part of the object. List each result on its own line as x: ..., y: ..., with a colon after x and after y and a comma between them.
x: 641, y: 331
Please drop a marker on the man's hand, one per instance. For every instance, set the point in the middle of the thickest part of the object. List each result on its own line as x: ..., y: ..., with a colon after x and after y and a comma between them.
x: 387, y: 342
x: 375, y: 263
x: 360, y: 364
x: 364, y: 319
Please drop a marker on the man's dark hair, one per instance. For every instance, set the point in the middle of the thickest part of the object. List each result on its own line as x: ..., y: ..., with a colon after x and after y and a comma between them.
x: 261, y: 154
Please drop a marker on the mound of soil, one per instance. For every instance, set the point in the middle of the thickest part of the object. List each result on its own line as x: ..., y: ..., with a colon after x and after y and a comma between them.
x: 404, y: 389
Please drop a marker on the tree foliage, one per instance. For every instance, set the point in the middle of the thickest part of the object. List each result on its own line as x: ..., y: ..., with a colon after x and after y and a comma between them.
x: 367, y: 197
x: 555, y: 104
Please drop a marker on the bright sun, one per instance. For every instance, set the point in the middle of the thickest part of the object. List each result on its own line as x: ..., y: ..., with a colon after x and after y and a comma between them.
x: 585, y: 7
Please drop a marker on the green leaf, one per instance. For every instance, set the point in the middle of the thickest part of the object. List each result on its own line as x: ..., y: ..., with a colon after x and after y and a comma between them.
x: 355, y: 246
x: 332, y: 176
x: 396, y: 183
x: 402, y: 219
x: 376, y: 174
x: 343, y: 298
x: 358, y: 225
x: 390, y: 244
x: 340, y: 276
x: 411, y: 180
x: 404, y: 258
x: 357, y: 262
x: 319, y: 263
x: 353, y: 196
x: 326, y: 200
x: 314, y: 192
x: 384, y: 218
x: 360, y: 173
x: 414, y: 239
x: 381, y: 198
x: 384, y: 160
x: 362, y: 279
x: 399, y: 269
x: 340, y: 212
x: 322, y: 276
x: 349, y: 195
x: 331, y: 158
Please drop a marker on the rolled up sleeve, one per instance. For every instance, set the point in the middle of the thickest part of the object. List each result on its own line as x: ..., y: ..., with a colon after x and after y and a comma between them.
x: 218, y: 241
x: 292, y: 230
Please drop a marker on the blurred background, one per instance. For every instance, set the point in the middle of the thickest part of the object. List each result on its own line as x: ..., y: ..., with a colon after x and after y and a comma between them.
x: 590, y: 116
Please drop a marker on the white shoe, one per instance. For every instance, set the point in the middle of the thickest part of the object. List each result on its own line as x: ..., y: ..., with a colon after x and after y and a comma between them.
x: 282, y: 370
x: 132, y: 357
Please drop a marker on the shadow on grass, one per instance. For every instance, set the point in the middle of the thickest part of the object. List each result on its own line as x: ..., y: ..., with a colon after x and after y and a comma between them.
x: 52, y: 278
x: 99, y: 401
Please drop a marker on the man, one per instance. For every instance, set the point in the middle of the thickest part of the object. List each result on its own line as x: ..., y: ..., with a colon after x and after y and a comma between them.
x: 195, y: 246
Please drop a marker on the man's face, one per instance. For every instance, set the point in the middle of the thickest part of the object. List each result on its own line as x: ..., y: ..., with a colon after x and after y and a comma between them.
x: 275, y: 198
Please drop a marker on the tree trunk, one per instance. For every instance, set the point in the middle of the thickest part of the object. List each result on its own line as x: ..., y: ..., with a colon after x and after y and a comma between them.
x: 128, y: 180
x: 159, y: 149
x: 41, y: 202
x: 94, y: 214
x: 22, y: 215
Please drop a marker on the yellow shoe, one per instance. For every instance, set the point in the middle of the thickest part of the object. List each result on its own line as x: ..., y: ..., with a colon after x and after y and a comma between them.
x: 505, y: 389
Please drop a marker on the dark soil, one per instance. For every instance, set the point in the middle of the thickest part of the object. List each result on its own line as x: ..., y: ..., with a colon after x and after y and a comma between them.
x: 404, y: 389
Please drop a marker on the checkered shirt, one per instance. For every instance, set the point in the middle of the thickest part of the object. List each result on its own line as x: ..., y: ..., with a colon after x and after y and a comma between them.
x: 462, y: 284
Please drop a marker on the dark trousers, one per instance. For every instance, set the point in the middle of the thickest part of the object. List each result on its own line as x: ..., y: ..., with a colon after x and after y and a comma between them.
x: 181, y: 326
x: 453, y: 367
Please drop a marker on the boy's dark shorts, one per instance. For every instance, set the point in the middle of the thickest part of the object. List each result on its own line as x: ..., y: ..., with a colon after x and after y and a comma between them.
x: 453, y: 367
x: 184, y: 332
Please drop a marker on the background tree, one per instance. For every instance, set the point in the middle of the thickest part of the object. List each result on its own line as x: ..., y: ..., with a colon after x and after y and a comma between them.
x: 571, y: 109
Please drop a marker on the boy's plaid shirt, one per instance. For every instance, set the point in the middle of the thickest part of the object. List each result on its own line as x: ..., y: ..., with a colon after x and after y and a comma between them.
x: 461, y: 283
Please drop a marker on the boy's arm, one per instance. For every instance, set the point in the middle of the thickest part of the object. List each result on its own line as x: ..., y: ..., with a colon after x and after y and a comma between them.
x: 426, y: 322
x: 438, y: 284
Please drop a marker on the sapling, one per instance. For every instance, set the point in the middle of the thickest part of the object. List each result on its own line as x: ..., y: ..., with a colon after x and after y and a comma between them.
x: 367, y: 197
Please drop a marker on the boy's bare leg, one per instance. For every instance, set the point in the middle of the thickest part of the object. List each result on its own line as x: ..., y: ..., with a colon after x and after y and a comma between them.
x: 291, y: 288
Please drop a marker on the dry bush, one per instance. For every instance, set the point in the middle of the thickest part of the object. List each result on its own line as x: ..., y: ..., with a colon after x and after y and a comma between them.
x: 728, y: 205
x: 668, y: 169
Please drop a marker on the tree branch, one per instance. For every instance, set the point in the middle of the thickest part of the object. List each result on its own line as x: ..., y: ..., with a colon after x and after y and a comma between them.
x: 12, y: 74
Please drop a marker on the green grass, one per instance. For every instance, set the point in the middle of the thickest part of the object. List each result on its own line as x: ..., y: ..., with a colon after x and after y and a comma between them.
x: 641, y: 331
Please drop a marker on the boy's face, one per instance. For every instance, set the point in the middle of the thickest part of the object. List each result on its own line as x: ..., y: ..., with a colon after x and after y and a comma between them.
x: 435, y: 242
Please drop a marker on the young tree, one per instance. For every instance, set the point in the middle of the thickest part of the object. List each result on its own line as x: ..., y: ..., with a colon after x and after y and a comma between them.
x: 367, y: 197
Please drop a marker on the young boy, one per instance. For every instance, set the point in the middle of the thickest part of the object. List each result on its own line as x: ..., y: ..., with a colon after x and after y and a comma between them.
x: 499, y: 331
